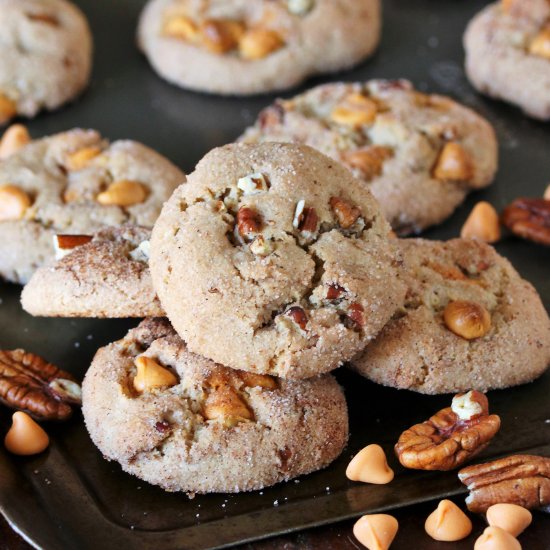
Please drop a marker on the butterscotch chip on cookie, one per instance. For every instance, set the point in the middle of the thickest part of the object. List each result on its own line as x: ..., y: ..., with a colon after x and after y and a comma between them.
x: 75, y: 183
x: 241, y: 47
x: 469, y: 322
x: 104, y: 275
x: 274, y: 259
x: 418, y: 154
x: 192, y: 425
x: 508, y: 54
x: 46, y: 53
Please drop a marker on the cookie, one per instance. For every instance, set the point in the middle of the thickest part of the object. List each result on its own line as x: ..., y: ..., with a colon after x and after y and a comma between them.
x: 273, y: 259
x: 46, y: 53
x: 75, y: 183
x: 418, y: 350
x: 508, y: 54
x: 208, y: 428
x: 104, y: 275
x: 240, y: 47
x: 418, y: 154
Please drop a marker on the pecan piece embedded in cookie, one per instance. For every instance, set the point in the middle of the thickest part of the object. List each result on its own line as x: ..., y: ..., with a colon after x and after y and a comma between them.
x: 31, y: 384
x: 520, y: 479
x: 451, y: 437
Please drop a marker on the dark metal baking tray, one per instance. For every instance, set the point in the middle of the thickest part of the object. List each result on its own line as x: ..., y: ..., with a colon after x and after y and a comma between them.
x: 70, y: 497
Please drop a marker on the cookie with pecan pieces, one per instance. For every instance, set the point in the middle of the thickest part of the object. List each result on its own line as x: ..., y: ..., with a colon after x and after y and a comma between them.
x: 272, y: 258
x: 508, y: 54
x: 418, y: 154
x: 180, y: 421
x: 75, y: 183
x: 241, y: 47
x: 469, y: 322
x: 46, y: 53
x: 104, y: 275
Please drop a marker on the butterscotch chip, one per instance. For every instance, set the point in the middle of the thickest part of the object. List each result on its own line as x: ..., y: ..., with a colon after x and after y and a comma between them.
x: 244, y: 48
x: 512, y: 518
x: 123, y: 193
x: 25, y: 437
x: 14, y: 202
x: 268, y: 313
x: 216, y: 429
x: 419, y: 159
x: 13, y: 139
x: 482, y: 223
x: 508, y: 52
x: 418, y: 351
x: 494, y: 538
x: 448, y: 523
x: 58, y: 180
x: 46, y: 53
x: 104, y: 275
x: 376, y: 531
x: 370, y: 466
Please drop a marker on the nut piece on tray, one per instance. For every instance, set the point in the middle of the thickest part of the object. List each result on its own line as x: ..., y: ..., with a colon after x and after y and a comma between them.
x: 31, y: 384
x: 178, y: 420
x: 239, y: 48
x: 469, y: 322
x: 519, y: 479
x: 75, y: 183
x: 529, y: 219
x: 273, y: 259
x: 451, y: 437
x: 419, y: 154
x: 508, y: 54
x: 105, y: 275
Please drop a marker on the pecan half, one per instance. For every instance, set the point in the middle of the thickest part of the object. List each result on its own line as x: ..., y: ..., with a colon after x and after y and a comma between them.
x: 529, y: 219
x: 518, y: 479
x: 447, y: 440
x: 29, y: 383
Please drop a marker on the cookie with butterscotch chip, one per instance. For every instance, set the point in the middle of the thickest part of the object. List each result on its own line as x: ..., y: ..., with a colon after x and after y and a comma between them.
x: 46, y: 56
x: 178, y: 420
x: 273, y: 259
x: 418, y: 154
x: 101, y: 275
x: 508, y: 54
x: 75, y: 183
x: 240, y: 47
x: 469, y: 322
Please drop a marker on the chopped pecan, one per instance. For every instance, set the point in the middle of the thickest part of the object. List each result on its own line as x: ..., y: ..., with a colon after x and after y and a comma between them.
x: 334, y: 291
x: 529, y: 219
x: 298, y: 315
x: 29, y: 383
x: 271, y: 116
x: 43, y: 18
x: 447, y: 440
x: 305, y: 219
x: 518, y: 479
x: 346, y: 213
x: 355, y: 316
x: 249, y: 222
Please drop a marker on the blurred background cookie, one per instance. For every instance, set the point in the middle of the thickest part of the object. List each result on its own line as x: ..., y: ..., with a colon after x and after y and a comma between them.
x: 241, y: 47
x: 101, y: 275
x: 75, y: 182
x: 180, y: 421
x: 45, y: 53
x: 469, y: 322
x: 508, y: 54
x: 418, y: 154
